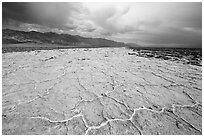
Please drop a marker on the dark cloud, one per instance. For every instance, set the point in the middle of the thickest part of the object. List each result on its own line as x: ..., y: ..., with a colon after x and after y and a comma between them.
x: 147, y: 23
x: 106, y: 33
x: 16, y: 11
x: 90, y: 29
x: 48, y: 14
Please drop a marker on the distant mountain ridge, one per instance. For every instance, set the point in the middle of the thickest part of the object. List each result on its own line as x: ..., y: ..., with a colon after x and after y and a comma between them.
x: 132, y: 45
x: 15, y: 37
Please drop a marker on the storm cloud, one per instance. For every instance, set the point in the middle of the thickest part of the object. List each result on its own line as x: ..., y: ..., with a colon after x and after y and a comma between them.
x: 147, y: 24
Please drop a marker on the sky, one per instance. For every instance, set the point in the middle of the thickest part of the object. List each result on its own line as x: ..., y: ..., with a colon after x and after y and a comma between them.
x: 167, y: 24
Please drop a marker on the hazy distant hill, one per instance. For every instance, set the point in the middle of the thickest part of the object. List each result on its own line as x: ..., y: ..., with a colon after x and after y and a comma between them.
x: 132, y: 45
x: 14, y: 37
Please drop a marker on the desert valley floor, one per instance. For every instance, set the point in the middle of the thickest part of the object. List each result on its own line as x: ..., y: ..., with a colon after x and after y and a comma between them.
x: 99, y: 91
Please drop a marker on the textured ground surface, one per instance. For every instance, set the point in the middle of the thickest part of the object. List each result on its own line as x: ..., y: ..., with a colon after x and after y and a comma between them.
x: 99, y: 91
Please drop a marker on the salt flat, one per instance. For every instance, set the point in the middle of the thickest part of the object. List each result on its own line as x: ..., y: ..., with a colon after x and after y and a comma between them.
x: 99, y: 91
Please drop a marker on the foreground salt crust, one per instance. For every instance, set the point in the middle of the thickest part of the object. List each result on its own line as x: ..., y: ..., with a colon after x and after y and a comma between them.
x: 98, y: 91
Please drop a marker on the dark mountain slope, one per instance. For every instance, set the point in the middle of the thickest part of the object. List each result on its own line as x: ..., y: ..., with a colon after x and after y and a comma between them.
x: 14, y: 37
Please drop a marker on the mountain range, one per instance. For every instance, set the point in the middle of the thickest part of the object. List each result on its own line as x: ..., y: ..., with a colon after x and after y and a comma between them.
x: 14, y: 37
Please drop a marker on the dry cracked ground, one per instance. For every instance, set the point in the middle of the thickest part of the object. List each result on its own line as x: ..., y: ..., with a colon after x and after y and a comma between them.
x: 99, y: 91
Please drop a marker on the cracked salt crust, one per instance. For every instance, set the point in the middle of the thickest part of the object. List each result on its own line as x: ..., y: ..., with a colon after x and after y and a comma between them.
x: 98, y: 91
